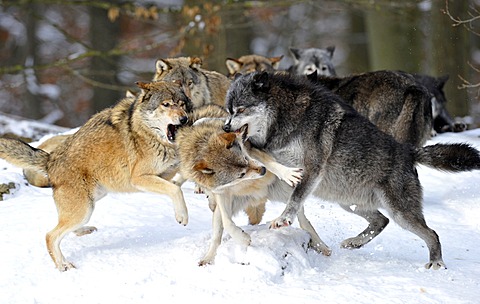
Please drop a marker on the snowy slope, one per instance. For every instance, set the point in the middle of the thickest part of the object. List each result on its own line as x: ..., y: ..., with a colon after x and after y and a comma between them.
x: 141, y: 255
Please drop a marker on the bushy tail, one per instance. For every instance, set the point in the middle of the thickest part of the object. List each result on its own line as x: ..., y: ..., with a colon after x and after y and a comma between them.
x: 23, y: 155
x: 449, y: 157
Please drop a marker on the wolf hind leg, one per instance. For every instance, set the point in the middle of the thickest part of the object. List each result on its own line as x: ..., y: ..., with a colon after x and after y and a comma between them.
x: 255, y: 212
x: 73, y: 213
x: 376, y: 223
x: 414, y: 221
x: 315, y: 242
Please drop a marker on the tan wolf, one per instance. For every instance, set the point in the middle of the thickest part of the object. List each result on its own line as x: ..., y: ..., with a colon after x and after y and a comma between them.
x: 221, y: 164
x: 125, y: 148
x: 202, y: 86
x: 251, y: 63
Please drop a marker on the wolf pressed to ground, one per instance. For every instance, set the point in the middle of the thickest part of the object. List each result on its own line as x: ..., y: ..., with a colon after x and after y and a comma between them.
x: 345, y: 158
x: 125, y: 148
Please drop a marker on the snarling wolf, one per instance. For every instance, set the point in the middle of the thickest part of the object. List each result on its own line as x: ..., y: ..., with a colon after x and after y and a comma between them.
x: 125, y: 148
x: 345, y: 158
x: 308, y: 61
x: 221, y: 163
x: 251, y: 63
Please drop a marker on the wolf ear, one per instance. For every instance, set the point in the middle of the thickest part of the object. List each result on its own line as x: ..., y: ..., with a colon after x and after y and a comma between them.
x: 143, y: 85
x: 297, y: 53
x: 275, y: 61
x: 130, y: 94
x: 233, y: 65
x: 228, y: 139
x: 261, y: 81
x: 202, y: 166
x: 195, y: 63
x: 330, y: 50
x: 161, y: 65
x: 442, y: 80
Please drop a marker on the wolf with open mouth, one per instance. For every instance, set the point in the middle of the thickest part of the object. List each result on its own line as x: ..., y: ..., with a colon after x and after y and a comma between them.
x: 125, y: 148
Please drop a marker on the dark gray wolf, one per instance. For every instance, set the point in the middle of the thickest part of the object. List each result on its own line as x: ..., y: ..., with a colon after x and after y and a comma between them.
x: 345, y: 158
x: 391, y: 100
x: 308, y: 61
x: 126, y: 148
x: 251, y: 63
x: 222, y: 165
x: 442, y: 121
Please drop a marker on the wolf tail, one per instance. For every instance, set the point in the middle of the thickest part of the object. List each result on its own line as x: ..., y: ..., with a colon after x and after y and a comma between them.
x: 23, y: 155
x: 449, y: 157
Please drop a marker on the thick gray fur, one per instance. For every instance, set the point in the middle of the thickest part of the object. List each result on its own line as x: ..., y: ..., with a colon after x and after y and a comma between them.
x: 345, y: 157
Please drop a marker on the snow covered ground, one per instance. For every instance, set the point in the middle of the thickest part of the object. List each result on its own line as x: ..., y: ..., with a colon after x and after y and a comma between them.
x: 141, y: 255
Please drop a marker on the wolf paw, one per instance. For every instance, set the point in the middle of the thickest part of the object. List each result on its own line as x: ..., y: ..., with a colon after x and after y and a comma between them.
x: 292, y: 176
x: 182, y: 217
x: 352, y: 243
x: 85, y: 230
x: 64, y: 266
x: 436, y: 265
x: 320, y: 248
x: 280, y: 222
x: 198, y: 189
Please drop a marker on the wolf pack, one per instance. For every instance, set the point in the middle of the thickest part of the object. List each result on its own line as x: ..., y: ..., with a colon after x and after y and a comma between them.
x: 254, y: 135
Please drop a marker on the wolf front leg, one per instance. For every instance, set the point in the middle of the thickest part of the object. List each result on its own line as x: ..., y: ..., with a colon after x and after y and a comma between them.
x: 292, y: 176
x: 224, y: 203
x: 295, y: 202
x: 315, y: 241
x: 217, y: 231
x: 156, y: 184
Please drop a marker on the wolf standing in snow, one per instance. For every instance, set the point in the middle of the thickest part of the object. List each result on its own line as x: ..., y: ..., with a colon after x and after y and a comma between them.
x: 345, y: 158
x: 125, y: 148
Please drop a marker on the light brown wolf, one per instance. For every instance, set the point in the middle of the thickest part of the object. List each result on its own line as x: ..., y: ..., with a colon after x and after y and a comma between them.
x: 221, y: 164
x: 125, y: 148
x: 251, y: 63
x: 202, y: 86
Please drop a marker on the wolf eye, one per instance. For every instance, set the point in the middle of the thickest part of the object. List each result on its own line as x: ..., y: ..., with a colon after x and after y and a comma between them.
x: 166, y: 105
x: 242, y: 175
x: 240, y: 110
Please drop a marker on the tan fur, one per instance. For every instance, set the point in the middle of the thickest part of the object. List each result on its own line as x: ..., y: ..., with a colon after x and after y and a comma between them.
x: 202, y: 86
x: 121, y: 149
x: 251, y: 63
x: 37, y: 178
x: 233, y: 180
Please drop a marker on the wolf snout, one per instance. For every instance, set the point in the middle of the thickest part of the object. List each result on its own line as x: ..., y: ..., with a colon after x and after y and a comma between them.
x: 183, y: 120
x: 262, y: 170
x: 227, y: 127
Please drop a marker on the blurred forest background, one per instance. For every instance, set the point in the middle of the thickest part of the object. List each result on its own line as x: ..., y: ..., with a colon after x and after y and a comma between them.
x: 62, y: 61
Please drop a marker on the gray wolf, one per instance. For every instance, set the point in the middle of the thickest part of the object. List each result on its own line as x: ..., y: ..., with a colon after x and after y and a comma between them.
x: 251, y: 63
x: 222, y: 165
x: 394, y: 101
x: 345, y: 158
x: 202, y: 86
x: 310, y: 60
x: 442, y: 121
x: 125, y: 148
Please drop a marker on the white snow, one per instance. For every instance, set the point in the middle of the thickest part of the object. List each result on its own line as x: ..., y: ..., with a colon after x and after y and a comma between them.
x: 141, y: 255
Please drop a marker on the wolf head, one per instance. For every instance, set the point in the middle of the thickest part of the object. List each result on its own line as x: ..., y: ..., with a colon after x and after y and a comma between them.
x: 223, y: 162
x: 185, y: 71
x: 247, y: 105
x: 251, y: 63
x: 308, y: 61
x: 162, y: 107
